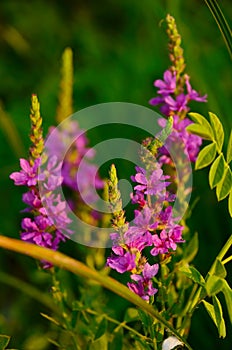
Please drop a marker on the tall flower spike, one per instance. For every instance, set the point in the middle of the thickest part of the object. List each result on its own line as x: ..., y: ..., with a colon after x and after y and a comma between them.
x: 36, y: 135
x: 65, y: 107
x: 175, y: 50
x: 118, y: 220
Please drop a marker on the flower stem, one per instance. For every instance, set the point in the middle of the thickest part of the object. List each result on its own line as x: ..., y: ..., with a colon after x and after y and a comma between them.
x: 78, y: 268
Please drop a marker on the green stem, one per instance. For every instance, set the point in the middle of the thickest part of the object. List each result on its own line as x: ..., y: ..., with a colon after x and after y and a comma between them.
x: 78, y: 268
x: 227, y: 260
x: 221, y: 254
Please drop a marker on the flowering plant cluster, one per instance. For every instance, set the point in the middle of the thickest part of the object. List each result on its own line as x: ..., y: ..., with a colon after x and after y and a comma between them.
x: 153, y: 226
x: 48, y: 222
x: 154, y: 251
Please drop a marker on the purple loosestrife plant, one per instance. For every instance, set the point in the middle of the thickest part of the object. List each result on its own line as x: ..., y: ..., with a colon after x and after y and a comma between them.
x: 153, y: 230
x: 41, y: 228
x: 174, y: 95
x: 79, y: 176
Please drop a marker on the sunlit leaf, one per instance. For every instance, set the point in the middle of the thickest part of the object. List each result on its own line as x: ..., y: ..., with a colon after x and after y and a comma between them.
x: 210, y: 309
x: 216, y: 171
x: 4, y: 341
x: 229, y: 149
x: 100, y: 343
x: 193, y: 274
x: 206, y: 156
x: 199, y: 130
x: 219, y: 269
x: 224, y: 186
x: 219, y: 317
x: 213, y: 285
x: 227, y: 291
x: 199, y: 119
x: 217, y: 130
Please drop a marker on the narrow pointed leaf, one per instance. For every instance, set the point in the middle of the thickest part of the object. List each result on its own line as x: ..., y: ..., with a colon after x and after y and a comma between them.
x: 200, y: 130
x: 193, y: 274
x: 51, y: 319
x: 224, y: 187
x: 216, y: 171
x: 4, y: 341
x: 219, y: 317
x: 217, y: 130
x: 227, y: 291
x: 206, y: 156
x: 210, y: 309
x: 229, y: 149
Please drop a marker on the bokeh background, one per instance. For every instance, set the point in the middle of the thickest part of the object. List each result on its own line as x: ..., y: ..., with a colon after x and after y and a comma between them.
x: 120, y: 48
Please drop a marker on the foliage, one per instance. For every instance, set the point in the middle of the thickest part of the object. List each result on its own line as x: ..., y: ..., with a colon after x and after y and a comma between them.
x: 108, y: 69
x: 220, y: 175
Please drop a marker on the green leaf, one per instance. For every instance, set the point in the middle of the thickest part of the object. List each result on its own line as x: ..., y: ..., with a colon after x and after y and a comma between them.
x: 210, y: 309
x: 192, y: 248
x: 51, y: 319
x: 100, y: 343
x: 227, y: 291
x: 219, y: 269
x: 216, y: 171
x: 199, y: 119
x: 131, y: 315
x: 4, y: 341
x: 217, y: 130
x: 200, y: 130
x: 229, y: 149
x: 225, y: 185
x: 230, y: 203
x: 213, y: 285
x: 102, y: 327
x: 219, y: 317
x: 193, y: 274
x: 206, y: 156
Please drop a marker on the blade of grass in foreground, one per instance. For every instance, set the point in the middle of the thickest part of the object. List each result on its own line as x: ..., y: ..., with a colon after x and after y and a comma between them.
x: 221, y: 22
x: 78, y: 268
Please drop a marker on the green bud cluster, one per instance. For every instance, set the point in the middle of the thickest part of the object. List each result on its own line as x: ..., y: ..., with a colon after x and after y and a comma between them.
x: 36, y: 135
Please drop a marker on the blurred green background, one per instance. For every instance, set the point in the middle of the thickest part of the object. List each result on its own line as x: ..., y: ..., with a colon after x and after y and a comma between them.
x: 120, y: 48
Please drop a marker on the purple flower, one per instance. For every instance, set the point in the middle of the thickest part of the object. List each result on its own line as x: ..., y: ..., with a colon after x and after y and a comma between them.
x: 32, y: 199
x: 144, y: 222
x: 122, y: 263
x: 193, y: 94
x: 167, y: 85
x: 28, y: 175
x: 179, y: 104
x: 35, y: 231
x: 160, y: 244
x: 154, y: 185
